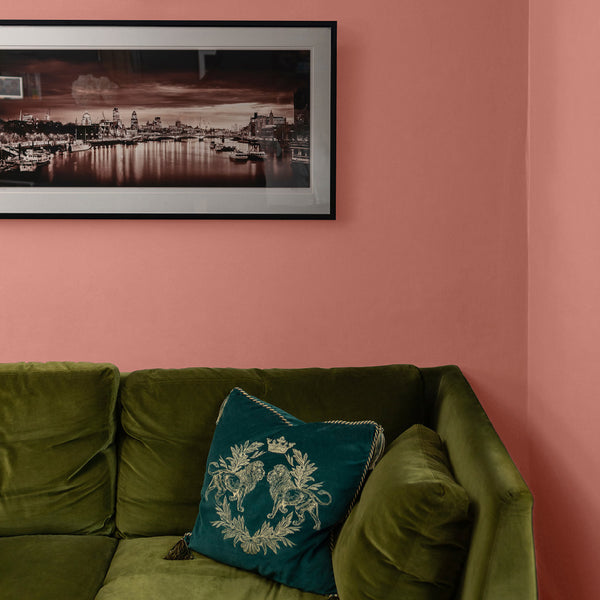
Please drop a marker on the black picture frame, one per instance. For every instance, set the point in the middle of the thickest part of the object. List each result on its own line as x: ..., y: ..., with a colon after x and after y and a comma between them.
x: 266, y: 87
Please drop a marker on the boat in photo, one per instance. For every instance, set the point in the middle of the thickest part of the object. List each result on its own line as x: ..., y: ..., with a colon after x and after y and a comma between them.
x: 238, y: 156
x: 300, y: 154
x: 300, y: 160
x: 32, y: 159
x: 7, y: 165
x: 223, y: 147
x: 257, y: 155
x: 26, y: 166
x: 79, y: 146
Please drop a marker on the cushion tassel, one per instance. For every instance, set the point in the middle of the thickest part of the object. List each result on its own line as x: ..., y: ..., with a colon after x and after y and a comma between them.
x: 181, y: 550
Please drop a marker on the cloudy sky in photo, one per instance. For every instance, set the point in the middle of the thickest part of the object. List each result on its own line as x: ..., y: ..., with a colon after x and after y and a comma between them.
x: 209, y: 88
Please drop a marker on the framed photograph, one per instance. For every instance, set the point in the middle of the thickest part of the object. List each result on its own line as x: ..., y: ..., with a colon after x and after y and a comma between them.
x: 167, y: 119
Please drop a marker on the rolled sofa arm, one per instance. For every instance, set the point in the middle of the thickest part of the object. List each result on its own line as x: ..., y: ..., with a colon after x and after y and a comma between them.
x: 501, y: 559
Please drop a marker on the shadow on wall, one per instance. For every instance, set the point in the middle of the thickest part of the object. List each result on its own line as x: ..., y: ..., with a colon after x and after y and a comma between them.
x: 503, y: 400
x: 563, y: 523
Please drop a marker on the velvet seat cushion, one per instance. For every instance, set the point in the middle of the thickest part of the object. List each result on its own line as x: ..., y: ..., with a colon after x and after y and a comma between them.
x: 53, y: 567
x: 408, y: 536
x: 138, y: 572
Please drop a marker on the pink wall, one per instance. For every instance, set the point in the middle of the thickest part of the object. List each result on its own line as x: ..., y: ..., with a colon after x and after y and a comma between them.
x: 564, y: 301
x: 425, y: 263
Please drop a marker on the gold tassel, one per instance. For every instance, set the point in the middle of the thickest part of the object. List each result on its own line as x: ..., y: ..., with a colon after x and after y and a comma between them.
x: 181, y: 550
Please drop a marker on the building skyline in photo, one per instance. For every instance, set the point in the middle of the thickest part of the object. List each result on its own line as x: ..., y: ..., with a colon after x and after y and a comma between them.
x: 212, y: 89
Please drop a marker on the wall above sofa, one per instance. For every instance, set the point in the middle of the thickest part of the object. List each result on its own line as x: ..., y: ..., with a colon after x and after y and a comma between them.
x: 424, y: 264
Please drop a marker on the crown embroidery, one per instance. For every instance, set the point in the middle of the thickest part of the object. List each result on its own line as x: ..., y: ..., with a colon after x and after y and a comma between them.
x: 280, y: 446
x: 293, y: 490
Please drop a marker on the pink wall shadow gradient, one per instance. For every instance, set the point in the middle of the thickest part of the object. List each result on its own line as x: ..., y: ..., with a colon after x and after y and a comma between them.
x: 564, y: 298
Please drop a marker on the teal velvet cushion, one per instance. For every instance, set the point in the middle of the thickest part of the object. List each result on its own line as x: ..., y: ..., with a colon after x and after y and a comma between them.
x: 275, y: 487
x: 408, y: 535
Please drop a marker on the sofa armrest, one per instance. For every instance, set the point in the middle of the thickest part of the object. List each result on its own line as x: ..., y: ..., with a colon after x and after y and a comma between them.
x: 501, y: 560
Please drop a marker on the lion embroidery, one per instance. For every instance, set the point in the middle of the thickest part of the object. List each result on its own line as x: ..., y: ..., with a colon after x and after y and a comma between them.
x: 286, y: 493
x: 237, y: 484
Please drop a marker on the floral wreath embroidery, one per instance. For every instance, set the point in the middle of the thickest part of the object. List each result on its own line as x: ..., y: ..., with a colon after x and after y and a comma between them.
x: 293, y: 489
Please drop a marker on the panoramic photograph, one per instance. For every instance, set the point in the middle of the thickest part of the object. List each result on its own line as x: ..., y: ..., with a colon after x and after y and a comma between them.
x: 149, y: 118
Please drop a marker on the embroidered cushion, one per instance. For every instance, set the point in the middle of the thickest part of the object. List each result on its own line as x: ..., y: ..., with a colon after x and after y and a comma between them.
x: 275, y: 488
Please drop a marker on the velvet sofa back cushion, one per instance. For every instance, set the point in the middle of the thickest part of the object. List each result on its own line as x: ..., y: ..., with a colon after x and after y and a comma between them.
x: 57, y: 452
x: 391, y: 395
x: 169, y: 418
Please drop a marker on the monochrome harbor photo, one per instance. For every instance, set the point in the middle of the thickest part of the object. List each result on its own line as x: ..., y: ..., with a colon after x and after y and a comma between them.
x: 159, y: 119
x: 220, y: 118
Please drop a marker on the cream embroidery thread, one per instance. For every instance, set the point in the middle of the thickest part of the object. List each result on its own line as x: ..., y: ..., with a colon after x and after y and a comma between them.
x: 293, y: 489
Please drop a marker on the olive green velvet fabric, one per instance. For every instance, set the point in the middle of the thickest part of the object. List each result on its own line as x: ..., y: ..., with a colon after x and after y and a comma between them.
x: 57, y: 450
x: 139, y: 572
x: 501, y: 560
x: 408, y: 535
x: 169, y: 417
x: 391, y: 395
x: 53, y: 567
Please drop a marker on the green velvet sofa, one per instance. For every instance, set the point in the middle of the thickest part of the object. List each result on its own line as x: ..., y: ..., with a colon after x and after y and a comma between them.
x: 101, y: 473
